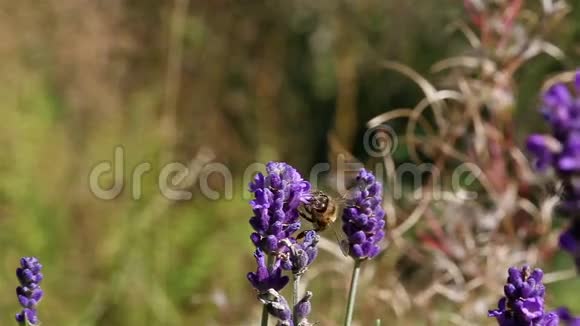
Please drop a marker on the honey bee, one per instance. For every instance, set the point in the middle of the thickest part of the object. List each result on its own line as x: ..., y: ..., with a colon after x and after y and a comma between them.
x: 322, y: 211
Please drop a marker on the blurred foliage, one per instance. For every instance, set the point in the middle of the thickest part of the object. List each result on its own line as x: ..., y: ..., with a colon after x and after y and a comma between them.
x: 252, y: 81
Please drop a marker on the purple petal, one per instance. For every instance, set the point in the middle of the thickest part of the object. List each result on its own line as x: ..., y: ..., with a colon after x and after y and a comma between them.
x: 531, y: 308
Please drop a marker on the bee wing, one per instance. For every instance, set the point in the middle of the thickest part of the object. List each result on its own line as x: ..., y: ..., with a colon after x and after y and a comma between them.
x: 342, y: 202
x: 337, y: 228
x: 342, y: 242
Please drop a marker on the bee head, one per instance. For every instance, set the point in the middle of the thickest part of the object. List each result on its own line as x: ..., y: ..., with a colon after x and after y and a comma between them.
x: 319, y: 201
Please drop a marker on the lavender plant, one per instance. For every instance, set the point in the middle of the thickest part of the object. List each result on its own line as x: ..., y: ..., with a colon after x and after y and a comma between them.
x: 560, y: 151
x: 363, y: 223
x: 277, y: 196
x: 523, y: 303
x: 29, y: 292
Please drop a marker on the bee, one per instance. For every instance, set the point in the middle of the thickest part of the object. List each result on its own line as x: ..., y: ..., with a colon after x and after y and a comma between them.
x: 322, y: 211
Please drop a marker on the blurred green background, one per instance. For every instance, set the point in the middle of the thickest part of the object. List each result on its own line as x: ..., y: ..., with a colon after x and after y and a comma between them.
x: 251, y: 81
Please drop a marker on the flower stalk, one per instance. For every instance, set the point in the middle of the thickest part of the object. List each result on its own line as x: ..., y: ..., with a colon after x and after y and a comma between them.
x: 265, y: 314
x: 295, y: 296
x: 352, y: 293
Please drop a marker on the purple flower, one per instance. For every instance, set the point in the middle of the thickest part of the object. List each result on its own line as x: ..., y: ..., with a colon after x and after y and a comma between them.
x: 523, y: 303
x: 301, y: 255
x: 561, y: 150
x: 561, y: 109
x: 364, y: 218
x: 570, y: 241
x: 302, y: 309
x: 278, y: 195
x: 566, y: 317
x: 265, y: 277
x: 568, y: 160
x: 544, y: 149
x: 277, y: 306
x: 550, y: 319
x: 28, y: 292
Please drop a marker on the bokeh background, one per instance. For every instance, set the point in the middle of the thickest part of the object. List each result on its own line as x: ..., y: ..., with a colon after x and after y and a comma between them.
x: 235, y: 81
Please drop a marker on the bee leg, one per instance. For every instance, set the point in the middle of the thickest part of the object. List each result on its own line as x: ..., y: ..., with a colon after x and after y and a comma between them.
x: 306, y: 217
x: 301, y: 235
x: 309, y: 219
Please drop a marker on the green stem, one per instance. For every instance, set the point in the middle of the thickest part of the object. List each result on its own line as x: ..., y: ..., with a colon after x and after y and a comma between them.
x: 352, y: 293
x: 295, y: 284
x: 265, y: 314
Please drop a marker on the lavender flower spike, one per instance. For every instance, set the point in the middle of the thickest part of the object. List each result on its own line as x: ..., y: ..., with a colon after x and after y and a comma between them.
x: 523, y: 303
x: 560, y: 151
x: 364, y: 218
x: 29, y: 292
x: 277, y: 197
